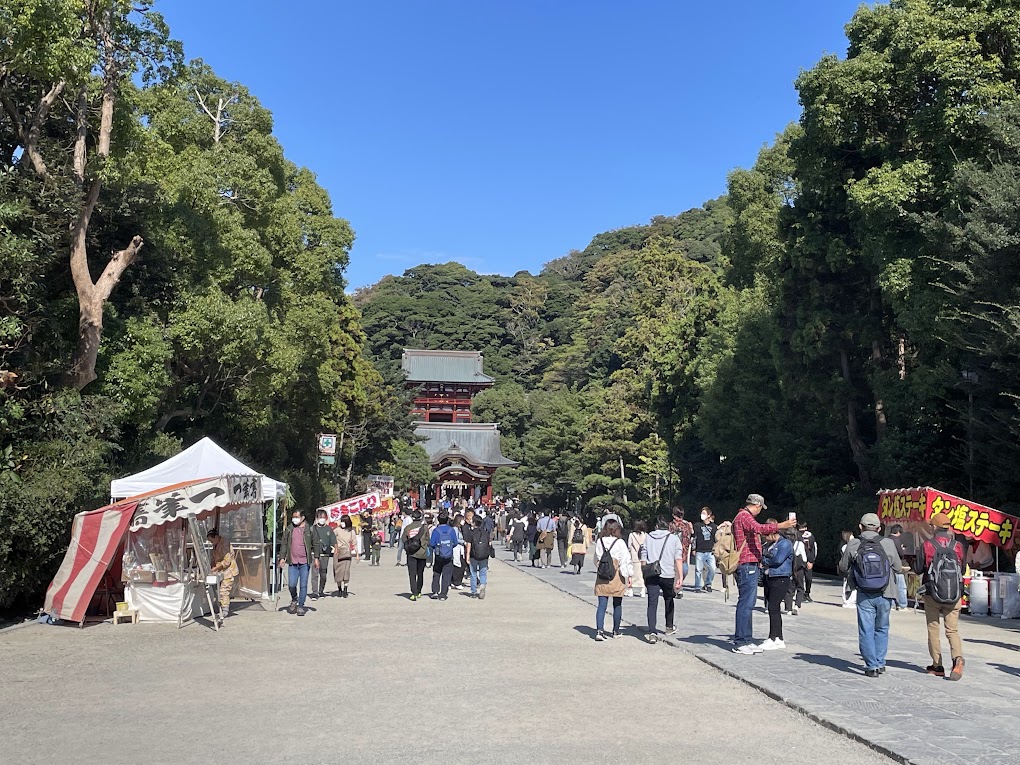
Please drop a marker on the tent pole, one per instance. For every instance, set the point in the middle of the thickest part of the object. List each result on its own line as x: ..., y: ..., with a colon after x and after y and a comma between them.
x: 272, y: 571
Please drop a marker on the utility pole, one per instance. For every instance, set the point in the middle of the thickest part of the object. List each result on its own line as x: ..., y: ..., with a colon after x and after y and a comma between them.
x: 623, y: 481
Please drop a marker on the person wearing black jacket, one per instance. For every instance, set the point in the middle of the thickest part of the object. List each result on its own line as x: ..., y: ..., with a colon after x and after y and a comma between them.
x: 811, y: 548
x: 562, y: 537
x: 704, y: 560
x: 323, y: 542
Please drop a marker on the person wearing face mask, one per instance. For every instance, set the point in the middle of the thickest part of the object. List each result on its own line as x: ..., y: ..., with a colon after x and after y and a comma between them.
x: 297, y: 553
x: 323, y: 542
x: 346, y: 547
x: 704, y: 560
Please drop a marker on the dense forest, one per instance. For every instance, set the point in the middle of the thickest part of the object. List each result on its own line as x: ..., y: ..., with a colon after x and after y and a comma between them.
x: 846, y: 317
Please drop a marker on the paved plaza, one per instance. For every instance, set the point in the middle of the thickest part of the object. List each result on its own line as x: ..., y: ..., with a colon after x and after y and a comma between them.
x: 515, y: 678
x: 906, y: 713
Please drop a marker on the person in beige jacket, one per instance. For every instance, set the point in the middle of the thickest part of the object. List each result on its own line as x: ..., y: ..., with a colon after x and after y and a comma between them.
x: 580, y: 539
x: 610, y: 542
x: 635, y: 542
x: 344, y: 553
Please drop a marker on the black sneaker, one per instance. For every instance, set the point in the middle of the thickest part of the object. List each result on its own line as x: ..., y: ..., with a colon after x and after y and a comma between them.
x: 708, y: 589
x: 871, y: 673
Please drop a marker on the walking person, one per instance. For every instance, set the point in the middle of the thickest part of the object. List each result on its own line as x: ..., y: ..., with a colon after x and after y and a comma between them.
x: 546, y: 538
x: 297, y: 553
x: 635, y: 544
x: 323, y: 541
x: 614, y: 582
x: 345, y: 552
x: 563, y: 538
x: 795, y: 593
x: 460, y: 564
x: 896, y: 535
x: 778, y: 563
x: 378, y: 537
x: 517, y: 534
x: 941, y: 564
x: 684, y: 530
x: 531, y: 534
x: 811, y: 550
x: 479, y: 550
x: 405, y: 519
x: 704, y: 543
x: 869, y: 564
x: 415, y: 537
x: 747, y: 533
x: 580, y: 539
x: 662, y: 568
x: 442, y: 543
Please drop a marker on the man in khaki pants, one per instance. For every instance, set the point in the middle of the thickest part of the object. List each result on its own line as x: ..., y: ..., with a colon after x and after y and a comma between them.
x: 941, y: 564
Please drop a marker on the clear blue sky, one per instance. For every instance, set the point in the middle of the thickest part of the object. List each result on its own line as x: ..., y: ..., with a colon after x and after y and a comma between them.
x: 504, y: 133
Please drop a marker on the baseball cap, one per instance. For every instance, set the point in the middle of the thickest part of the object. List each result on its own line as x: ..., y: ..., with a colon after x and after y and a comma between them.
x: 871, y: 521
x: 941, y: 521
x: 756, y: 499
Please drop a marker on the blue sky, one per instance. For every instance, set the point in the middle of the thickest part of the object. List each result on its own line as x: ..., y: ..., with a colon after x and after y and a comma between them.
x: 504, y: 134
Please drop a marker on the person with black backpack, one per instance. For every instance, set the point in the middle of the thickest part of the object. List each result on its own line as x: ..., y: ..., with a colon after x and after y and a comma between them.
x: 479, y: 550
x: 414, y: 540
x: 442, y: 543
x: 869, y: 563
x: 941, y: 563
x: 612, y: 576
x: 662, y: 561
x: 562, y: 537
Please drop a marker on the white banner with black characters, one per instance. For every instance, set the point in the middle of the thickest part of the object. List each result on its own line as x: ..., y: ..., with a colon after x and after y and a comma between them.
x: 197, y: 498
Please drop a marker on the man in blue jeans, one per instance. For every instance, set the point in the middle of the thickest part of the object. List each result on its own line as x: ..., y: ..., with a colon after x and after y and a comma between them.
x: 747, y: 534
x: 873, y: 607
x: 297, y: 552
x: 479, y: 549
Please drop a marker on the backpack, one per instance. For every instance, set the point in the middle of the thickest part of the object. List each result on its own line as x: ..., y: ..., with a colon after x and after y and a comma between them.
x: 871, y: 567
x: 447, y: 541
x: 606, y: 570
x: 480, y: 547
x: 943, y: 579
x: 413, y: 543
x: 727, y: 556
x: 578, y: 538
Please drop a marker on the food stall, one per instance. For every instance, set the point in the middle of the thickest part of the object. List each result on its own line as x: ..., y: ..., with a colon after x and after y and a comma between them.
x: 988, y: 534
x: 158, y: 543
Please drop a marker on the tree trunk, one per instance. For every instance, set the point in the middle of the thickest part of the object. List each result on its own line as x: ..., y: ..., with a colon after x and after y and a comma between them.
x: 857, y: 446
x: 881, y: 423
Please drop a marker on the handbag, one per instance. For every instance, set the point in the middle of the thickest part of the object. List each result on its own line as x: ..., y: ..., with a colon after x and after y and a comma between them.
x: 654, y: 570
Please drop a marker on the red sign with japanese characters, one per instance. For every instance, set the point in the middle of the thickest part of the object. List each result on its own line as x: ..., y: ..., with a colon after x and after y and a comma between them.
x: 968, y: 518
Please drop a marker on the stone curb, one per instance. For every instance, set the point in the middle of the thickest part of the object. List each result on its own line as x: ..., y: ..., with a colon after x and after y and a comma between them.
x: 799, y: 708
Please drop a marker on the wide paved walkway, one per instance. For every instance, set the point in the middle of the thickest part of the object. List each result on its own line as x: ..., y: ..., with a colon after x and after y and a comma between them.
x: 908, y: 714
x: 375, y: 678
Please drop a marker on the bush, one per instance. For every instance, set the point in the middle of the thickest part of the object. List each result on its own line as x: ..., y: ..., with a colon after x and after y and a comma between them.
x: 828, y: 516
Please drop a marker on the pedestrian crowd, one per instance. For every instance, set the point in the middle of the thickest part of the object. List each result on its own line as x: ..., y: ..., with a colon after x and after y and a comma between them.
x: 457, y: 541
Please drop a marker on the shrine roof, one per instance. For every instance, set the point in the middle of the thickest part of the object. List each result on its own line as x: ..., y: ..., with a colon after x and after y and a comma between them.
x: 444, y: 366
x: 477, y: 443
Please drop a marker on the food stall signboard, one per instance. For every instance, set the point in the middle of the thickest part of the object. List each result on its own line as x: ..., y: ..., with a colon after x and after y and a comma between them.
x: 352, y: 506
x: 968, y: 518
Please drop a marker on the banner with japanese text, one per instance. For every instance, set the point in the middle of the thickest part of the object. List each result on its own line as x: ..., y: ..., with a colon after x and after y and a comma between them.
x: 372, y: 502
x: 968, y: 518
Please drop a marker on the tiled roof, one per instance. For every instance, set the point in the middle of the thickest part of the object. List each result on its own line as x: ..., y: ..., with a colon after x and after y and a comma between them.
x: 444, y: 366
x: 477, y: 442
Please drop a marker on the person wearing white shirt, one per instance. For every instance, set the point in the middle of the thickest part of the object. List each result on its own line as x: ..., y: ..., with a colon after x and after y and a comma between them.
x: 610, y: 541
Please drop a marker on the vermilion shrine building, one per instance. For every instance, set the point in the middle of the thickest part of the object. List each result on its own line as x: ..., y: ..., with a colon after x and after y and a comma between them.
x: 463, y: 453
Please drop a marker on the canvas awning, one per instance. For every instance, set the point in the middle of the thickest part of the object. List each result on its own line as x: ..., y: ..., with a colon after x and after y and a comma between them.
x: 200, y: 460
x: 96, y: 534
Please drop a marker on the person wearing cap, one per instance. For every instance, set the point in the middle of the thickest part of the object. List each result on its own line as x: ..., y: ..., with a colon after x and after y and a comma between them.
x: 873, y: 608
x: 934, y: 611
x: 747, y: 534
x: 811, y: 550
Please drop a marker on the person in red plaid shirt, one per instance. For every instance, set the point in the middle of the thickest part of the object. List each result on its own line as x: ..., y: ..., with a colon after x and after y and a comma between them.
x: 747, y: 534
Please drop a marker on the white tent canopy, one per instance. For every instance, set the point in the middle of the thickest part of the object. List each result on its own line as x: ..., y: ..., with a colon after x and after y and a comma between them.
x: 204, y: 459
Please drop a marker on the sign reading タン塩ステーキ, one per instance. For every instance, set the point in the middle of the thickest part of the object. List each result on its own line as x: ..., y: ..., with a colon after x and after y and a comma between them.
x: 968, y: 518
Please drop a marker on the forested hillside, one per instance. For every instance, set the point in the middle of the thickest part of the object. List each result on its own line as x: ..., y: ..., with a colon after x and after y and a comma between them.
x: 817, y: 334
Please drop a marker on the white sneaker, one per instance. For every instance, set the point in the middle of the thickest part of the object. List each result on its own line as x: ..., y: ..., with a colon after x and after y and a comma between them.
x: 748, y: 649
x: 773, y: 645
